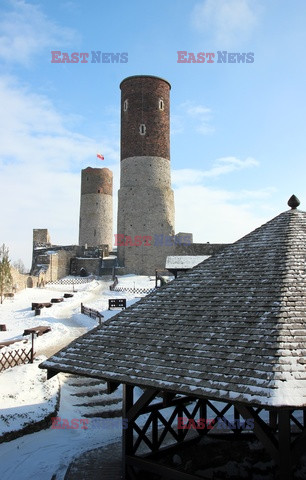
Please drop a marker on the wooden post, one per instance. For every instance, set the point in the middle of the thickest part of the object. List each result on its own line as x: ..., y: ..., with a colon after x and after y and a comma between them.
x: 285, y: 466
x: 32, y: 348
x: 203, y: 414
x: 127, y: 433
x: 273, y: 420
x: 155, y: 430
x: 237, y: 430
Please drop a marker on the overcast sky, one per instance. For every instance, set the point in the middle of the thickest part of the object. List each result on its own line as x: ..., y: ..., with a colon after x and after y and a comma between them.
x: 237, y: 129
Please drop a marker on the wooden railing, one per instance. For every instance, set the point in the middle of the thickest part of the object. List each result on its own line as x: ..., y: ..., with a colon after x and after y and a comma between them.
x: 15, y: 357
x: 92, y: 313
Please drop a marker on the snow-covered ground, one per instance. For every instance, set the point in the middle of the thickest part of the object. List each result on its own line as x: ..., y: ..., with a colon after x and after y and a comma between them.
x: 26, y: 396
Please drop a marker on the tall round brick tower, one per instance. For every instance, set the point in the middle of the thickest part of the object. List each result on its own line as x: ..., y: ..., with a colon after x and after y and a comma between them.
x: 145, y: 198
x: 96, y: 211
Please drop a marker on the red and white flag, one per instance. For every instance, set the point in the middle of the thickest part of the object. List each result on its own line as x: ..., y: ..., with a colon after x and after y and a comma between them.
x: 100, y: 156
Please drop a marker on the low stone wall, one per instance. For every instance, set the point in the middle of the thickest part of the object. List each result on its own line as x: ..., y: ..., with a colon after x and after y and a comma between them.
x: 22, y: 281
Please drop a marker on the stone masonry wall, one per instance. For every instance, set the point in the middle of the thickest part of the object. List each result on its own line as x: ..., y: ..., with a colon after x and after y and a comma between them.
x: 146, y: 209
x: 96, y: 207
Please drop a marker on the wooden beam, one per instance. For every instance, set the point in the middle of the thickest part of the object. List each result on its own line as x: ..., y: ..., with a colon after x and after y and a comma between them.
x: 112, y: 387
x: 175, y: 401
x: 168, y: 427
x: 51, y: 373
x: 136, y: 409
x: 217, y: 412
x: 167, y: 398
x: 297, y: 423
x: 142, y: 435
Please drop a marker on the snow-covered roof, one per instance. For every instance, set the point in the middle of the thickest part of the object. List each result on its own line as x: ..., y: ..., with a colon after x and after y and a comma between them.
x: 232, y: 328
x: 185, y: 261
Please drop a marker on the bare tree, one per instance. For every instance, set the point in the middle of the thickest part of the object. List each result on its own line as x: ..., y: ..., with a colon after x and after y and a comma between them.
x: 6, y: 279
x: 19, y: 265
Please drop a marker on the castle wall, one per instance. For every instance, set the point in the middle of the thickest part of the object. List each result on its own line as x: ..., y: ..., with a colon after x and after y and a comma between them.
x: 92, y: 266
x: 22, y: 281
x: 96, y: 208
x: 96, y: 220
x: 41, y: 237
x: 50, y: 262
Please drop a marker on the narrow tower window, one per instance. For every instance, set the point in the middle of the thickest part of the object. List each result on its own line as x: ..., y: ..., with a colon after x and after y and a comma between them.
x: 125, y: 105
x: 161, y: 104
x: 142, y: 129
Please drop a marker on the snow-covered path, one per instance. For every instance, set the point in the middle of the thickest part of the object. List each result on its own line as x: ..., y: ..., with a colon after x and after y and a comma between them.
x: 65, y: 319
x: 69, y: 316
x: 43, y: 454
x: 48, y: 452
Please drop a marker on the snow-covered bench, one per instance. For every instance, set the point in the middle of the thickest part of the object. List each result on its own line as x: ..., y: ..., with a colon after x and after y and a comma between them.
x: 40, y: 330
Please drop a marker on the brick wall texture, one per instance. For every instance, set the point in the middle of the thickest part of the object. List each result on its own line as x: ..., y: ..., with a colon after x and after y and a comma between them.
x: 142, y: 95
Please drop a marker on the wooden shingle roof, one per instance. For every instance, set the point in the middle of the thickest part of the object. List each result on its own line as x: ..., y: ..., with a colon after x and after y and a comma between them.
x: 233, y: 328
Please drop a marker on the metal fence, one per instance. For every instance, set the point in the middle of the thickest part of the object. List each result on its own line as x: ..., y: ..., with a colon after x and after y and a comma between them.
x: 133, y: 289
x: 71, y: 281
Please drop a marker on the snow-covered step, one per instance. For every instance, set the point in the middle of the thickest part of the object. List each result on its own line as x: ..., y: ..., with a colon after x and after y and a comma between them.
x: 89, y: 393
x: 84, y: 382
x: 100, y: 403
x: 91, y: 399
x: 105, y: 414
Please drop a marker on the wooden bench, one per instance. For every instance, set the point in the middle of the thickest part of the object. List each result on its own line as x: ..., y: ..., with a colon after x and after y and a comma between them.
x: 40, y: 330
x: 57, y: 300
x: 117, y: 303
x: 36, y: 305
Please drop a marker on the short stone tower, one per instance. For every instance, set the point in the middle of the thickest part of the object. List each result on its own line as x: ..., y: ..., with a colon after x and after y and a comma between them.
x: 145, y: 198
x: 96, y: 210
